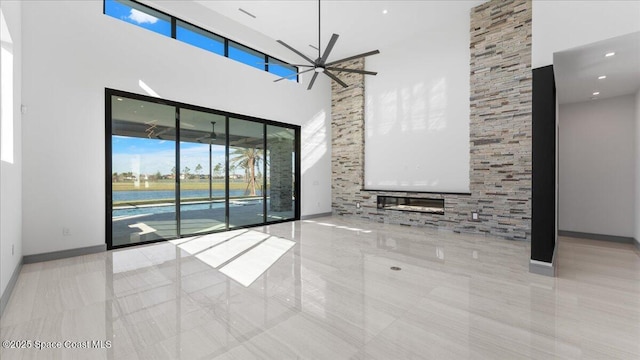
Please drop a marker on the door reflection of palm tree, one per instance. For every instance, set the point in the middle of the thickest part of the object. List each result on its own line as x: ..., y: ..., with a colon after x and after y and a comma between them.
x: 248, y: 159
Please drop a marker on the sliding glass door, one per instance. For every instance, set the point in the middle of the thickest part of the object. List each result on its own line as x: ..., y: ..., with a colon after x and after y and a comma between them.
x: 246, y: 169
x: 178, y: 170
x: 202, y: 184
x: 143, y: 171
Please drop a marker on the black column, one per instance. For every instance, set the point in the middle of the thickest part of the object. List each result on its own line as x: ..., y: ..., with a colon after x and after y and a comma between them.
x: 543, y: 179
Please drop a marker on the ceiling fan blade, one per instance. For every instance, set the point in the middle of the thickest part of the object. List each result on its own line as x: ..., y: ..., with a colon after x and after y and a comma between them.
x: 292, y: 75
x: 352, y: 71
x: 327, y: 51
x: 278, y: 64
x: 335, y: 78
x: 313, y: 79
x: 354, y: 57
x: 296, y: 51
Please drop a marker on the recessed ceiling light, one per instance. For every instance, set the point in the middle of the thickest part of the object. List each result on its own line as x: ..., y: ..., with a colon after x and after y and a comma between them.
x: 119, y: 99
x: 609, y: 54
x: 596, y: 93
x: 385, y: 11
x: 602, y: 77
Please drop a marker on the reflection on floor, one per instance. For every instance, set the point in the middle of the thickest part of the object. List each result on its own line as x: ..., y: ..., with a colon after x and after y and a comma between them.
x: 149, y: 224
x: 324, y: 289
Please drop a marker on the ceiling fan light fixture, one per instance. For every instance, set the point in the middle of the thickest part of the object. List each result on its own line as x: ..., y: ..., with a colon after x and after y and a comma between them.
x: 319, y: 69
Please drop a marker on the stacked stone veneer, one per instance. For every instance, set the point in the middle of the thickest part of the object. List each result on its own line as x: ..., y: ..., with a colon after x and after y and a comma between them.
x: 500, y: 134
x: 281, y: 169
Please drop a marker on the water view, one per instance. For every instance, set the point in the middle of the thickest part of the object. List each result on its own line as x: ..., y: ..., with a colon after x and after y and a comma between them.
x: 137, y: 195
x: 157, y: 146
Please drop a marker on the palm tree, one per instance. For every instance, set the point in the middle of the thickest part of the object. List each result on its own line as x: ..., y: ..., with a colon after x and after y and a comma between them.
x: 249, y: 159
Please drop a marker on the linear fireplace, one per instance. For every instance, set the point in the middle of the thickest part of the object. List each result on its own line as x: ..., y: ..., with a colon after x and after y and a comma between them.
x: 415, y: 204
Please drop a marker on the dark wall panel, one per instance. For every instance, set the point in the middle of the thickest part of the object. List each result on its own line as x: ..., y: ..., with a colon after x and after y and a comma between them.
x: 543, y: 181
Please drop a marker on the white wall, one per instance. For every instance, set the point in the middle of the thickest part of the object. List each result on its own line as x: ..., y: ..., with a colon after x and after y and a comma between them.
x: 597, y: 162
x: 417, y: 111
x: 72, y: 52
x: 637, y: 217
x: 564, y: 24
x: 10, y: 142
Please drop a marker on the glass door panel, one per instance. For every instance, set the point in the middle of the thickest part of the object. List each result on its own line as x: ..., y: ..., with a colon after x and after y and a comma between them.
x: 280, y: 173
x: 202, y: 175
x: 246, y: 173
x: 143, y: 173
x: 214, y: 173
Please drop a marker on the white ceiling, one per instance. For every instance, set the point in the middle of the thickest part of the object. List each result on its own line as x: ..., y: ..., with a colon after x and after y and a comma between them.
x: 361, y: 24
x: 577, y: 70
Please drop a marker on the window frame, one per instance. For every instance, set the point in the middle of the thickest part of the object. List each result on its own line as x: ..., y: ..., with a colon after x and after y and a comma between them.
x: 282, y: 64
x: 247, y: 50
x: 160, y: 15
x: 110, y: 93
x: 200, y: 31
x: 174, y: 20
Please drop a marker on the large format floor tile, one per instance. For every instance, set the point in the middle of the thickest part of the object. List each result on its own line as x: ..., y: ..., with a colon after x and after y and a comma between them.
x: 325, y: 289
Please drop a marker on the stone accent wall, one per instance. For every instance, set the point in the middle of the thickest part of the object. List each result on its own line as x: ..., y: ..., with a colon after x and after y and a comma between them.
x: 281, y: 170
x: 500, y: 134
x: 347, y: 141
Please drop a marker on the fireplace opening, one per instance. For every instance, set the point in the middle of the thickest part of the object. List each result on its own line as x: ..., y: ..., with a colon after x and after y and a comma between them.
x: 405, y: 203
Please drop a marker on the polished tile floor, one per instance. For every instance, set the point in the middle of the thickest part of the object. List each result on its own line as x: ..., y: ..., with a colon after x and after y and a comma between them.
x: 324, y: 289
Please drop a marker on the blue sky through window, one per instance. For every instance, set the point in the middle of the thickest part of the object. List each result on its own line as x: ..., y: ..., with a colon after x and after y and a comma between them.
x: 191, y: 35
x: 154, y: 155
x: 131, y: 13
x: 156, y: 21
x: 246, y: 56
x: 279, y: 68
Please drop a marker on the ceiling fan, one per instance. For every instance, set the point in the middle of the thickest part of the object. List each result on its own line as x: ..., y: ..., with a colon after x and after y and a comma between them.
x: 320, y: 65
x: 211, y: 136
